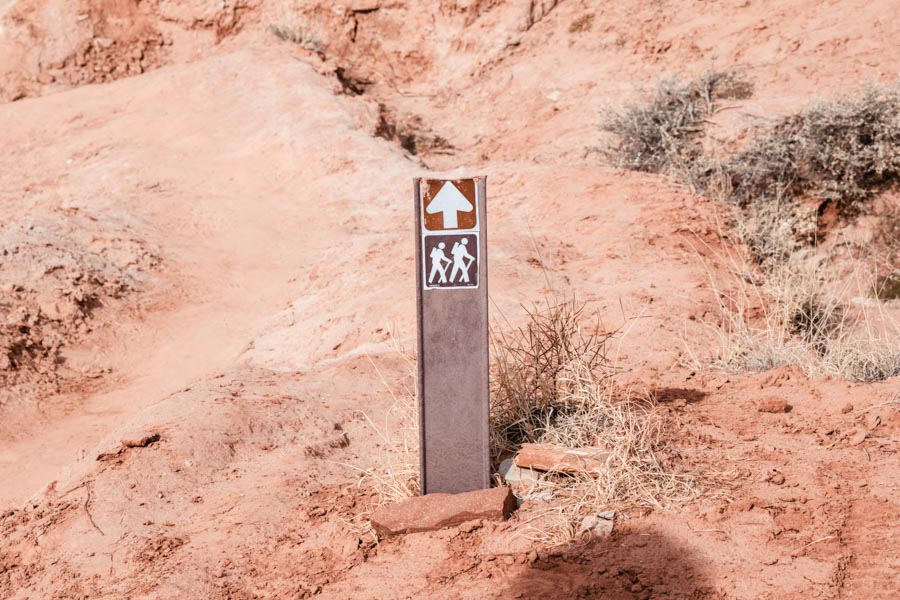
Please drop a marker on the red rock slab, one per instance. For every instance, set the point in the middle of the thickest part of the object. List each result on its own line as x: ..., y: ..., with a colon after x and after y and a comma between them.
x: 571, y: 461
x: 437, y: 511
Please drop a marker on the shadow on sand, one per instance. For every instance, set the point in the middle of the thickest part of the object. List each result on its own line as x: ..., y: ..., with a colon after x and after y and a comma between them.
x: 631, y: 564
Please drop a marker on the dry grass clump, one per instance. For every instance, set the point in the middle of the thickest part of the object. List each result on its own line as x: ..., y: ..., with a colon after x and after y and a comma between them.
x: 552, y: 383
x: 297, y: 36
x: 623, y: 424
x: 663, y: 134
x: 526, y: 364
x: 809, y: 311
x: 397, y: 476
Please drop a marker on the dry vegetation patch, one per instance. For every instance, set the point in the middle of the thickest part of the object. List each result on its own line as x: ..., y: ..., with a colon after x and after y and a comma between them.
x: 832, y: 157
x: 551, y: 383
x: 663, y: 134
x: 843, y: 151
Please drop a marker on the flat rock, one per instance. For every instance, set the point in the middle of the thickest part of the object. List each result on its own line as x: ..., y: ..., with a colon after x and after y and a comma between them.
x: 560, y: 459
x: 517, y: 476
x: 772, y: 405
x: 437, y: 511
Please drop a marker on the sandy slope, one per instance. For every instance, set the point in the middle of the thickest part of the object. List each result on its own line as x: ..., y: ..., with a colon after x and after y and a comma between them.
x: 282, y: 228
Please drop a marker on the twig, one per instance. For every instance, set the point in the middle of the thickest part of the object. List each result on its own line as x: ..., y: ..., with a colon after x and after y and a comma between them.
x: 891, y: 401
x: 87, y: 503
x: 824, y: 539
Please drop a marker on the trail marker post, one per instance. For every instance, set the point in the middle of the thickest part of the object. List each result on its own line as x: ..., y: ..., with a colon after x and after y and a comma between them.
x: 451, y: 277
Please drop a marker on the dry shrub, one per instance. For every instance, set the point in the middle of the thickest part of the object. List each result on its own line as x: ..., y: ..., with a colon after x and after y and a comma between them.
x: 663, y: 134
x: 526, y: 364
x: 843, y: 150
x: 552, y: 383
x: 287, y: 21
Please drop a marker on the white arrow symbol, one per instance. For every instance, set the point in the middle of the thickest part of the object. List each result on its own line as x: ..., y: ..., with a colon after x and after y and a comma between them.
x: 449, y: 201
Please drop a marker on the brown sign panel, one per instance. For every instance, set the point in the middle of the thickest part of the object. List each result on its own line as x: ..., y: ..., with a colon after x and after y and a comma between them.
x: 451, y: 274
x: 450, y: 261
x: 449, y: 205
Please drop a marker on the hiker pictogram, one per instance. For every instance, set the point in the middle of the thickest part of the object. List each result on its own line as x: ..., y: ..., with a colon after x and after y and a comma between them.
x: 459, y: 269
x: 438, y: 258
x: 450, y: 205
x: 460, y: 256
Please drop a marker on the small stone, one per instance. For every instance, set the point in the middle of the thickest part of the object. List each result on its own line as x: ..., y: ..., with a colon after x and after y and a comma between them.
x: 598, y: 525
x: 437, y: 511
x: 139, y: 439
x: 772, y: 405
x: 517, y: 476
x: 847, y: 408
x: 545, y: 496
x: 776, y: 478
x: 858, y: 437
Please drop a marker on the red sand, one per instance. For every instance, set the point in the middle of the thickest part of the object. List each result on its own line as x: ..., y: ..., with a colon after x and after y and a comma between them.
x: 216, y: 245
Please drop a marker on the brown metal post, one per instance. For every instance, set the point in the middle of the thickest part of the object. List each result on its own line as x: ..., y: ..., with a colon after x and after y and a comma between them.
x: 451, y: 278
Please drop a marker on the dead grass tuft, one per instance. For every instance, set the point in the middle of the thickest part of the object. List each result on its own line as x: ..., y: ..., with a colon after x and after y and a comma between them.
x: 397, y: 477
x: 286, y: 20
x: 811, y: 311
x: 628, y: 427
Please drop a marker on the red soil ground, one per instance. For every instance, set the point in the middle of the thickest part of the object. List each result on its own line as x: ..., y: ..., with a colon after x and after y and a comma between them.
x: 206, y: 233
